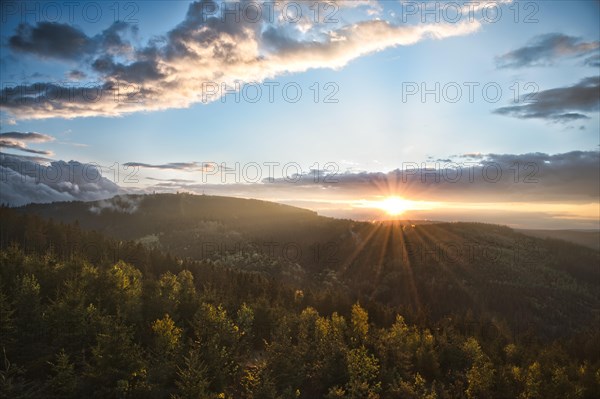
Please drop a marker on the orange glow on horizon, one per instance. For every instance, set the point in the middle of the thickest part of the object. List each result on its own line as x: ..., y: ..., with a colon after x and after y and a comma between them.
x: 395, y: 206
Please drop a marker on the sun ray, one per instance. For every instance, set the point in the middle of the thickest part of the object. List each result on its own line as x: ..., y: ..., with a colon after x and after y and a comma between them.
x: 359, y: 248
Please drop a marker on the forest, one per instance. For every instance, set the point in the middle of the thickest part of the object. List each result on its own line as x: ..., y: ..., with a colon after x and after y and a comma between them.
x: 92, y: 306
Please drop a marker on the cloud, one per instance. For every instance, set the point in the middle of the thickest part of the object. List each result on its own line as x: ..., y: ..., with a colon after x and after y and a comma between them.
x: 18, y: 141
x: 534, y: 177
x: 174, y: 165
x: 120, y: 204
x: 470, y: 155
x: 9, y: 121
x: 135, y: 72
x: 545, y: 50
x: 18, y: 145
x: 573, y: 176
x: 45, y: 100
x: 50, y: 40
x: 186, y: 166
x: 593, y: 61
x: 535, y: 184
x: 563, y: 104
x: 182, y: 181
x: 30, y: 136
x: 74, y: 144
x: 177, y: 69
x: 65, y: 42
x: 76, y: 75
x: 27, y: 179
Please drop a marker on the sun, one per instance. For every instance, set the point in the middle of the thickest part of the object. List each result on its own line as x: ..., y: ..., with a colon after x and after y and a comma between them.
x: 394, y: 206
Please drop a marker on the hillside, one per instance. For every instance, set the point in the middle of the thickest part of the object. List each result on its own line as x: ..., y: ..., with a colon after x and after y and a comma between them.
x: 430, y: 270
x: 590, y: 239
x: 387, y: 310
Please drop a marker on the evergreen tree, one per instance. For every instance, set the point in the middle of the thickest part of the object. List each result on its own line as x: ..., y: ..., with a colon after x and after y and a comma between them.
x: 63, y: 380
x: 192, y: 378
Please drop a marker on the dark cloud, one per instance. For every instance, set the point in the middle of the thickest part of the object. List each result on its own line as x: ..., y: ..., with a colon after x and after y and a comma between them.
x: 31, y: 158
x: 470, y: 155
x: 50, y: 40
x: 66, y: 101
x: 30, y: 136
x: 135, y: 72
x: 76, y: 75
x: 545, y: 49
x: 111, y: 40
x: 19, y: 145
x: 24, y: 180
x: 63, y: 41
x: 562, y: 104
x: 18, y: 141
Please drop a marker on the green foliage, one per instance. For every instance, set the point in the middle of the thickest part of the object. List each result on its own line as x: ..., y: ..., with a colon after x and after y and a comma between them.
x: 256, y: 382
x: 416, y: 389
x: 360, y: 324
x: 533, y: 382
x: 124, y: 290
x: 117, y: 360
x: 27, y: 302
x: 167, y: 335
x: 363, y: 370
x: 218, y: 339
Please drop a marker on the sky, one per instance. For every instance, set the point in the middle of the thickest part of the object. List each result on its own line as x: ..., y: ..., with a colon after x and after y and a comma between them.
x: 474, y: 111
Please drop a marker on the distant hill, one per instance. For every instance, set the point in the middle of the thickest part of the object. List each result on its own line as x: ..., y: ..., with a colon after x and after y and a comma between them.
x: 431, y: 269
x: 590, y: 239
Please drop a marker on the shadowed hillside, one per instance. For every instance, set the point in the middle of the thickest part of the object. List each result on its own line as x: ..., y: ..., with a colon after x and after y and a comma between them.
x: 590, y: 239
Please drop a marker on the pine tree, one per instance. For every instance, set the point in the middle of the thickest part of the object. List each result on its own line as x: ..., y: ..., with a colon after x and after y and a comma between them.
x: 63, y: 380
x: 192, y: 379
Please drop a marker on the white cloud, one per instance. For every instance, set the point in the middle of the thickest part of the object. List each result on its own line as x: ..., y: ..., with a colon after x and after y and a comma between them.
x: 27, y: 179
